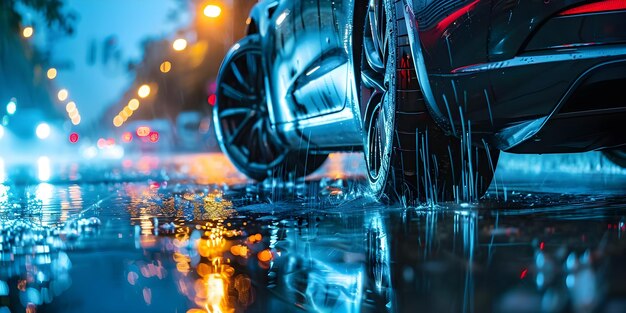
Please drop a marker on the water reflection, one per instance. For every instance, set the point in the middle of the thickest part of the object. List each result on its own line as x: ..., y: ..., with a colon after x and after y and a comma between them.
x: 202, y: 240
x: 171, y: 245
x: 228, y: 253
x: 43, y: 169
x: 35, y: 266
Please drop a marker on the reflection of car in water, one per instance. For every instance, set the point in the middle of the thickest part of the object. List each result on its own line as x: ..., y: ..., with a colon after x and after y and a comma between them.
x: 430, y: 90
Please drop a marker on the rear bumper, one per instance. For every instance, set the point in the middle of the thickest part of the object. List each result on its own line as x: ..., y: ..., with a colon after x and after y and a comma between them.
x: 509, y: 101
x: 510, y: 79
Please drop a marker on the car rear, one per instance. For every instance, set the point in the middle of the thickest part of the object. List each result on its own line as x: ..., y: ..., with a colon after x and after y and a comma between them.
x: 551, y: 78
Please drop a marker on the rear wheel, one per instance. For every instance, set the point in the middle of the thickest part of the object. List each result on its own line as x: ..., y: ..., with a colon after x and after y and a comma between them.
x: 408, y: 157
x: 242, y: 121
x: 617, y: 156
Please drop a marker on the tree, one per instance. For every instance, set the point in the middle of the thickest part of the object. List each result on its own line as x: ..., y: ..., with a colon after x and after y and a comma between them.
x: 11, y: 18
x: 187, y: 86
x: 21, y: 64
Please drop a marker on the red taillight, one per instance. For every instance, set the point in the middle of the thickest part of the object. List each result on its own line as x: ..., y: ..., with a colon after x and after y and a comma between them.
x: 127, y: 137
x: 73, y: 137
x: 212, y: 99
x: 595, y: 7
x: 154, y: 136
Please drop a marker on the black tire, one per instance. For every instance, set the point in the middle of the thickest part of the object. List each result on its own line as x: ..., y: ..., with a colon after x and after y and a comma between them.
x: 616, y: 156
x: 242, y: 122
x: 409, y: 158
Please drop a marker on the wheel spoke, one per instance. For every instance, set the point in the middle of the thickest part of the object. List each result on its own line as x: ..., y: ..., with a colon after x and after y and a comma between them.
x: 248, y: 136
x: 234, y: 112
x: 265, y: 149
x: 253, y: 142
x: 240, y: 131
x: 240, y: 78
x: 232, y: 93
x: 251, y: 60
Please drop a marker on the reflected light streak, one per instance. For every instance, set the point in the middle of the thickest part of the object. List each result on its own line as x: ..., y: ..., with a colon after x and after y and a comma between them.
x: 43, y: 169
x: 76, y: 197
x: 44, y: 193
x: 281, y: 18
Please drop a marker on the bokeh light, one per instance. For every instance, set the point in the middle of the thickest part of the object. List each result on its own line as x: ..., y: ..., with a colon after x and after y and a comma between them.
x: 133, y: 104
x: 52, y: 73
x: 212, y: 11
x: 74, y: 137
x: 73, y: 113
x: 76, y: 119
x: 143, y: 91
x: 11, y: 107
x: 165, y: 67
x: 42, y: 131
x: 63, y: 94
x: 179, y: 44
x: 27, y: 32
x: 118, y: 121
x: 70, y: 106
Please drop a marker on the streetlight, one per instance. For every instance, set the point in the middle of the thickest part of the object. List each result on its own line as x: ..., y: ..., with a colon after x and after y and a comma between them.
x: 52, y: 73
x: 63, y: 94
x: 212, y: 11
x: 27, y: 32
x: 70, y: 107
x: 165, y: 67
x: 42, y: 131
x: 143, y: 91
x: 133, y: 104
x: 76, y: 120
x: 179, y: 44
x: 11, y: 107
x: 118, y: 121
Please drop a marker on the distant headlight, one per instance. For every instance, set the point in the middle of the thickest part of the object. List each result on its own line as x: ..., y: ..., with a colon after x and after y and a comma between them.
x: 43, y: 131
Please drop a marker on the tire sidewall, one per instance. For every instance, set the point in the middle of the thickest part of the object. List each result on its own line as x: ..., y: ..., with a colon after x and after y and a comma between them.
x: 379, y: 183
x: 251, y: 42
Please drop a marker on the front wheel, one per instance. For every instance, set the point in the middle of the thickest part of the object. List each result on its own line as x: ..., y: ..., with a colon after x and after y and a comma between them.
x: 242, y: 122
x: 409, y: 158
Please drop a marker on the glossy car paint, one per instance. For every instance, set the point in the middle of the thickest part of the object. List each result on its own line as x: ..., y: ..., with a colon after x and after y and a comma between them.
x: 491, y: 65
x: 308, y: 66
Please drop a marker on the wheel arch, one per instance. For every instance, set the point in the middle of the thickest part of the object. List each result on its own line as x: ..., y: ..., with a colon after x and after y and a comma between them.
x: 420, y: 67
x: 253, y: 20
x: 416, y: 51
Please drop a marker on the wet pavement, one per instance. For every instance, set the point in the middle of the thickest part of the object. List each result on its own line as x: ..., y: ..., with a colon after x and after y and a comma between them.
x: 187, y: 233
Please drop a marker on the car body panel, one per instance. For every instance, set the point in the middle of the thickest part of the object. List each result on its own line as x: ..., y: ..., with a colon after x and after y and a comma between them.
x: 309, y: 70
x: 507, y: 94
x: 485, y: 66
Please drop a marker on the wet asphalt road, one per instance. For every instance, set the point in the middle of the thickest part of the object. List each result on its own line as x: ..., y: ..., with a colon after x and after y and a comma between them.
x: 187, y: 233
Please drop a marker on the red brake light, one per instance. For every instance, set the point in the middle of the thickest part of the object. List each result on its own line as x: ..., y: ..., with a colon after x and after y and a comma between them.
x: 595, y: 7
x: 154, y: 136
x: 212, y: 99
x: 127, y: 137
x: 73, y: 137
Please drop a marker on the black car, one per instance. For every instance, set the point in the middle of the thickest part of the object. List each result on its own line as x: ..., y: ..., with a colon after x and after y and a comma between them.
x: 430, y: 90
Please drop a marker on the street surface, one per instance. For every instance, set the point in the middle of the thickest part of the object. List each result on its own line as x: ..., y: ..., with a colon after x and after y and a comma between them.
x: 188, y: 233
